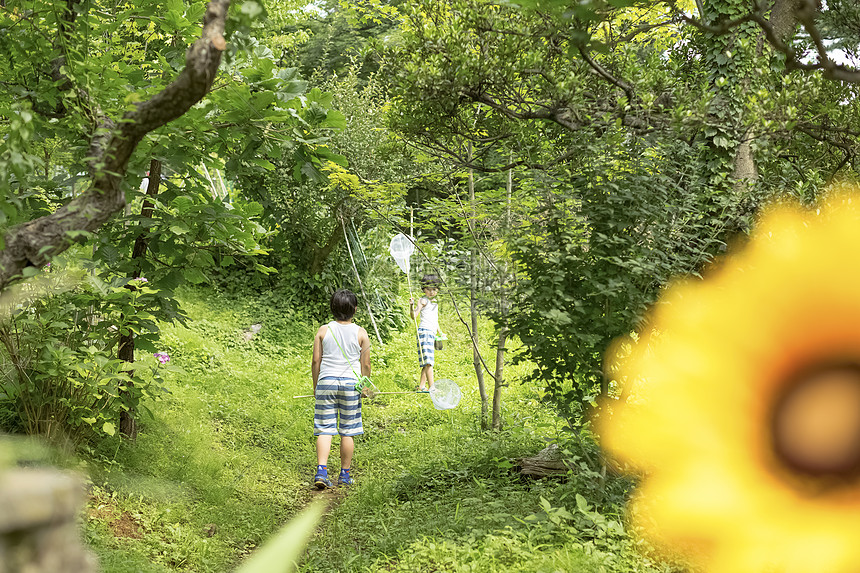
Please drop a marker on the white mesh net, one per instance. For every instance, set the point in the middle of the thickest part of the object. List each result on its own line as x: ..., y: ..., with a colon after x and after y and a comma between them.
x: 445, y: 394
x: 401, y: 249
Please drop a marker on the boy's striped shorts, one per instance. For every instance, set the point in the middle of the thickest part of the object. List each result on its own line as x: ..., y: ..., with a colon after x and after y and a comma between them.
x: 426, y: 346
x: 337, y: 407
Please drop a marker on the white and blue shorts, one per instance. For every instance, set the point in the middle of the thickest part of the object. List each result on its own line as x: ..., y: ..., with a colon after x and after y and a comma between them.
x: 426, y: 346
x: 337, y: 407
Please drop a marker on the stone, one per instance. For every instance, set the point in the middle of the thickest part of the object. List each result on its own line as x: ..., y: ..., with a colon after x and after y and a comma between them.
x: 39, y: 523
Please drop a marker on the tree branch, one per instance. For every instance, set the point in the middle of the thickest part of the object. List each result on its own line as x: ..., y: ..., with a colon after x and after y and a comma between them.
x: 34, y: 242
x: 805, y: 12
x: 559, y: 115
x: 628, y: 89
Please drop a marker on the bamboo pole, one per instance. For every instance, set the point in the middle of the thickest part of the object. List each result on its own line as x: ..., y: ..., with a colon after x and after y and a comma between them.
x: 409, y: 285
x: 360, y: 284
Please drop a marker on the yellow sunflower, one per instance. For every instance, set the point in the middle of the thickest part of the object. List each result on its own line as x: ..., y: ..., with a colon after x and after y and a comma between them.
x: 744, y: 413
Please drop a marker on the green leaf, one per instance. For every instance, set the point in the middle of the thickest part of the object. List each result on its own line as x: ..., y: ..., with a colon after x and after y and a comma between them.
x: 334, y: 119
x: 253, y: 209
x: 179, y: 228
x: 109, y: 428
x: 267, y: 165
x: 327, y: 154
x: 78, y: 235
x: 323, y: 99
x: 721, y: 141
x: 194, y: 276
x: 182, y: 204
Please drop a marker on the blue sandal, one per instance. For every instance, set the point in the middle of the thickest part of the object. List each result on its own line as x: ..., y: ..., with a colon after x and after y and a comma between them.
x: 344, y: 479
x: 321, y: 480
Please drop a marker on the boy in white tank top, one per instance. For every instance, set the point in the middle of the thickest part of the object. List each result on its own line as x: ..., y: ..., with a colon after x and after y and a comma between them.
x: 341, y: 350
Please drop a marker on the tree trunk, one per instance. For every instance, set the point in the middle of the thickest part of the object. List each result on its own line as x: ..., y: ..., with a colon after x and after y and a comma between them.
x: 499, y: 375
x: 321, y: 254
x: 473, y: 306
x: 499, y: 378
x: 125, y: 350
x: 744, y: 172
x: 783, y: 18
x: 783, y: 21
x: 127, y: 419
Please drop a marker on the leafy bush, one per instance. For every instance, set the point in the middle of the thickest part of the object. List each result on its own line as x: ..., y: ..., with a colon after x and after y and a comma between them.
x: 59, y: 376
x: 596, y: 255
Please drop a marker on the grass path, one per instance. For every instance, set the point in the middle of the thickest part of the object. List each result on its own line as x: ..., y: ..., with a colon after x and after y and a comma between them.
x: 229, y: 457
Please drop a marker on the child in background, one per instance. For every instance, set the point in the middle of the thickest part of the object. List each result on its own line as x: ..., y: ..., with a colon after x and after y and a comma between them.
x: 428, y: 309
x: 339, y: 347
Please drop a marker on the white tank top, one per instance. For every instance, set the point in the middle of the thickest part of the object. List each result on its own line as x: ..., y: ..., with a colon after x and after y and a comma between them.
x: 337, y: 363
x: 429, y: 316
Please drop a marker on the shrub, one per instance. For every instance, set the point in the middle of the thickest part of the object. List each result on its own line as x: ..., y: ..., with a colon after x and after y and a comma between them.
x: 59, y: 376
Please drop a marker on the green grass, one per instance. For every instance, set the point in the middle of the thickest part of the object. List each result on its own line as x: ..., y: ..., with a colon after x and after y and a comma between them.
x: 228, y: 457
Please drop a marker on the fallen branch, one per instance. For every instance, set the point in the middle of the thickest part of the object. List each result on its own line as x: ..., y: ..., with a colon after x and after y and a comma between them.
x: 547, y: 462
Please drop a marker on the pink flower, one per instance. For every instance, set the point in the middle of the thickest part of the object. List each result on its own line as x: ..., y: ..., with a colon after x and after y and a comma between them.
x: 163, y: 357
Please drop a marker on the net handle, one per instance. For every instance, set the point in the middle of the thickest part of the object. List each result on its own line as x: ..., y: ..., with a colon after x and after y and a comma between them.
x: 375, y: 394
x: 409, y: 286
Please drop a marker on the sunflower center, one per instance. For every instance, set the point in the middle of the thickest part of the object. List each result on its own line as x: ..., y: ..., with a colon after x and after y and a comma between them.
x: 816, y: 423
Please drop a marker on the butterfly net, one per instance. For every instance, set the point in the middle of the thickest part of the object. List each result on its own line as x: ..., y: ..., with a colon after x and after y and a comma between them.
x: 445, y: 394
x: 401, y: 249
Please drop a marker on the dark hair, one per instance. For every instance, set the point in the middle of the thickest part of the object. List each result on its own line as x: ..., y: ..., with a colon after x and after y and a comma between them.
x: 343, y: 304
x: 430, y: 281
